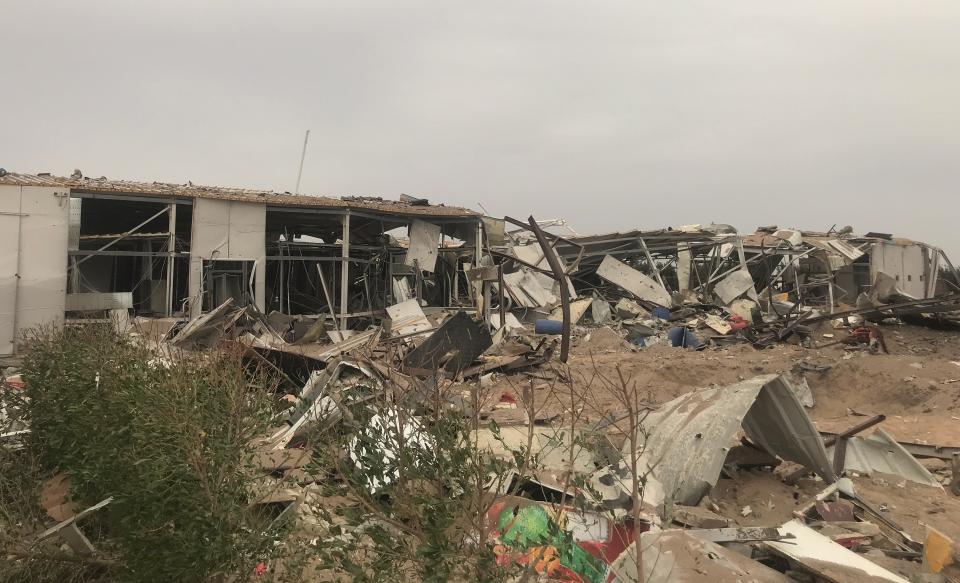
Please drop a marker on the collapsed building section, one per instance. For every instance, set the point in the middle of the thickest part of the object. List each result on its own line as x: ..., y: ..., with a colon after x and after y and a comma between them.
x: 763, y: 287
x: 85, y: 246
x: 330, y: 267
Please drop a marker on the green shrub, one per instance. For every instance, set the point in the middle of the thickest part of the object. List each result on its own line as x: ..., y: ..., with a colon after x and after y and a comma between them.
x: 421, y: 484
x: 169, y: 444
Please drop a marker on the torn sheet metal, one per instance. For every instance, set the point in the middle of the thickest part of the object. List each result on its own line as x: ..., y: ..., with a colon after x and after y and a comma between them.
x: 827, y: 559
x: 645, y: 288
x: 717, y: 324
x: 880, y: 452
x: 529, y: 290
x: 510, y: 321
x: 791, y: 236
x: 677, y: 556
x: 424, y: 245
x: 628, y: 309
x: 319, y: 352
x: 401, y: 289
x: 801, y: 388
x: 778, y: 423
x: 689, y: 438
x: 848, y: 252
x: 577, y: 309
x: 734, y: 285
x: 320, y: 399
x: 886, y: 289
x: 407, y: 318
x: 532, y: 254
x: 453, y: 346
x: 71, y: 534
x: 739, y: 534
x: 206, y: 329
x: 600, y: 311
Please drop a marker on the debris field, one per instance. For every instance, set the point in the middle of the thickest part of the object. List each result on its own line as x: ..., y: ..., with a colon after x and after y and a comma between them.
x: 690, y: 403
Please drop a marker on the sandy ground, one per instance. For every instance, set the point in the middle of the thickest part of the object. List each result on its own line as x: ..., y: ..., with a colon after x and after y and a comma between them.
x: 916, y: 385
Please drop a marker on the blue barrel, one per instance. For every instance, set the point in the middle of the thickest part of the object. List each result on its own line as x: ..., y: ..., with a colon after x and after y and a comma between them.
x: 548, y: 327
x: 683, y: 338
x: 662, y: 313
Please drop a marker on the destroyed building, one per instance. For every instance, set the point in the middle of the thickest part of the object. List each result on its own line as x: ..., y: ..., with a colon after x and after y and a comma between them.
x: 78, y: 246
x: 81, y: 245
x: 366, y: 304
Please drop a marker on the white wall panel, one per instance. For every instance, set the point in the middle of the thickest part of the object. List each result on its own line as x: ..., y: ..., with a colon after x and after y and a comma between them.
x: 9, y: 252
x: 225, y: 229
x: 33, y: 260
x: 905, y: 263
x: 44, y: 235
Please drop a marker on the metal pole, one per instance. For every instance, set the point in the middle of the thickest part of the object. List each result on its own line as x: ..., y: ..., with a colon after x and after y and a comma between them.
x: 171, y: 248
x: 326, y: 294
x: 561, y: 279
x: 344, y: 271
x: 479, y: 246
x: 303, y: 155
x: 653, y: 266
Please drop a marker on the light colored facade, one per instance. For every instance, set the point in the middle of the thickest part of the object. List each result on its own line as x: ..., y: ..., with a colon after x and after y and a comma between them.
x: 70, y: 245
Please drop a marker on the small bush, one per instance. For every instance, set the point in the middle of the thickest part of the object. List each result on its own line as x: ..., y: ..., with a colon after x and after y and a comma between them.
x: 169, y: 444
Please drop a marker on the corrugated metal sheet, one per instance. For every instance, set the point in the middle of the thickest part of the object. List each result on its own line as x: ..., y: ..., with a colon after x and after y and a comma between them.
x: 18, y: 179
x: 778, y: 422
x: 168, y: 190
x: 690, y: 436
x: 879, y: 452
x: 688, y: 439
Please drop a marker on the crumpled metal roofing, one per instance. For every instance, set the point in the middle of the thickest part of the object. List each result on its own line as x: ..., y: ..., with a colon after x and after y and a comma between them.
x: 766, y: 239
x: 879, y: 452
x: 688, y: 439
x: 189, y: 190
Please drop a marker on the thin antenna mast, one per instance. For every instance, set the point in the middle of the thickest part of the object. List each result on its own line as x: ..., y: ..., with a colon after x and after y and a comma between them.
x: 302, y: 156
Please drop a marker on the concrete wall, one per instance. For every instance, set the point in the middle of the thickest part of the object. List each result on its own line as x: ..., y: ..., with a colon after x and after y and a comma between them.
x: 33, y: 261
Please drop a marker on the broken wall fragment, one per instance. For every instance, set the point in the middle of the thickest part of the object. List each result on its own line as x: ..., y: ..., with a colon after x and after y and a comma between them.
x: 628, y: 278
x: 424, y: 241
x: 453, y: 347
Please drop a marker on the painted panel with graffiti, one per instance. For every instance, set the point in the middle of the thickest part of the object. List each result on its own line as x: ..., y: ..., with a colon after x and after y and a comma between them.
x: 560, y: 542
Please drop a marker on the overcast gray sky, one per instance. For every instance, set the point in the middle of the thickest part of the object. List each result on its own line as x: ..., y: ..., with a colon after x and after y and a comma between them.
x: 612, y: 114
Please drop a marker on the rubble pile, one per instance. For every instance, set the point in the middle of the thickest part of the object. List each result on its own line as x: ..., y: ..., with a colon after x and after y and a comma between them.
x: 534, y: 298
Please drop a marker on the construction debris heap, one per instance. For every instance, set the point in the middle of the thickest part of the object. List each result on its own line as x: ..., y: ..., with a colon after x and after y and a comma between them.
x: 353, y: 301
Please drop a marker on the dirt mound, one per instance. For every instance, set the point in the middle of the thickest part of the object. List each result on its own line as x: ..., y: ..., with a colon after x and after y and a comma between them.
x: 603, y: 339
